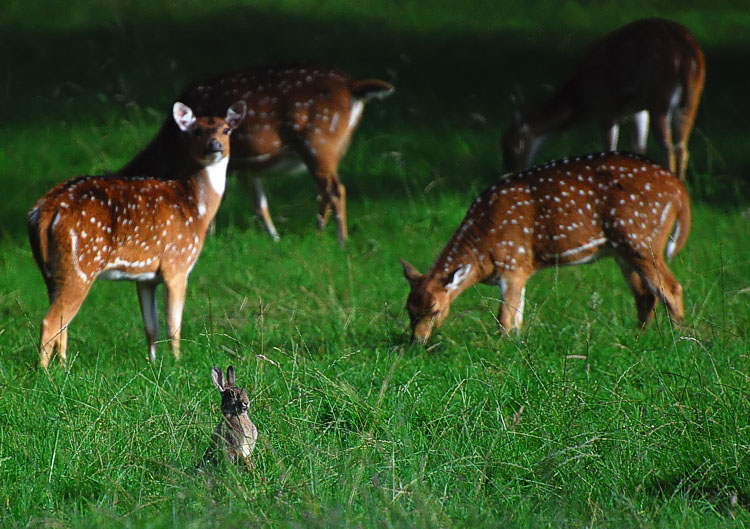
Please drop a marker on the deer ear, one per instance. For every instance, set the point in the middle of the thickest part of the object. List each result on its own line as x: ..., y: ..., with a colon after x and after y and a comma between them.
x: 236, y: 114
x: 218, y: 377
x: 230, y: 377
x: 410, y: 273
x: 183, y: 116
x: 459, y: 276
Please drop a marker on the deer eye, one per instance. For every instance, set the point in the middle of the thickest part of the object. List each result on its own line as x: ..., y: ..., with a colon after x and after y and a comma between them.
x: 227, y: 130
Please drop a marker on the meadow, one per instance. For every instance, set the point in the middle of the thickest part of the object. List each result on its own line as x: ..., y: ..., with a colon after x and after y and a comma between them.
x: 582, y: 420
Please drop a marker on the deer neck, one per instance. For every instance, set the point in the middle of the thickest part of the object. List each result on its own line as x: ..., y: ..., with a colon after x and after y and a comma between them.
x: 158, y: 158
x: 452, y: 259
x: 166, y: 157
x: 208, y: 184
x: 557, y: 112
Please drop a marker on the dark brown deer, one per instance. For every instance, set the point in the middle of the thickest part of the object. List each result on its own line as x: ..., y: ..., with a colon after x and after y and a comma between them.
x: 140, y: 229
x: 297, y: 116
x: 563, y: 213
x: 651, y: 69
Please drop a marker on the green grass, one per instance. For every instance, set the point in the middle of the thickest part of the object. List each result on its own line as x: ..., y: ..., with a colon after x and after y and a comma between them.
x: 581, y: 421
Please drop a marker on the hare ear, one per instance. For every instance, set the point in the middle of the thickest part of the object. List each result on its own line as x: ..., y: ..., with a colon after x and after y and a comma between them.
x: 218, y: 377
x: 230, y: 377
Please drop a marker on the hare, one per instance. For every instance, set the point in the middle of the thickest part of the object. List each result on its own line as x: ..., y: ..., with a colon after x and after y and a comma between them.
x: 236, y: 434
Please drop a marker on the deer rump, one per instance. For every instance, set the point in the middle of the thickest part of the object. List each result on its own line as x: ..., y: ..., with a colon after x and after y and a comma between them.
x: 566, y: 212
x: 590, y: 207
x: 104, y: 209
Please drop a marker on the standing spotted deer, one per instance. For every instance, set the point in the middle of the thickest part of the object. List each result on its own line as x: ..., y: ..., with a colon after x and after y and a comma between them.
x: 140, y: 229
x: 651, y: 69
x: 563, y: 213
x: 296, y: 116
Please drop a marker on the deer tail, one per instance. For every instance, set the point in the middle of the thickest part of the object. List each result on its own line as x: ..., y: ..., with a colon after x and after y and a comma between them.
x: 38, y: 223
x: 681, y: 228
x: 370, y: 88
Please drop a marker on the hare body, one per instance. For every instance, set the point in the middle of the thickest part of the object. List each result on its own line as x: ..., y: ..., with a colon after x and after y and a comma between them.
x: 235, y: 435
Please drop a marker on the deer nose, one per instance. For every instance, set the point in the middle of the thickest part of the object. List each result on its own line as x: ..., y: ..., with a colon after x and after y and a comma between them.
x: 214, y: 146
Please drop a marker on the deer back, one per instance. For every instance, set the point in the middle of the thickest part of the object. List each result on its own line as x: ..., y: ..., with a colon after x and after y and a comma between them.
x: 312, y: 111
x: 565, y: 211
x: 135, y: 227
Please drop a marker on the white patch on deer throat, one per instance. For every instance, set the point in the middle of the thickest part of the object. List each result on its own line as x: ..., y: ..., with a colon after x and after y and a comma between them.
x: 459, y: 276
x: 217, y: 175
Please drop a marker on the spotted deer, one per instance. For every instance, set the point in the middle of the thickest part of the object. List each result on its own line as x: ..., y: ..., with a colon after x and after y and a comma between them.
x: 297, y: 117
x: 567, y: 212
x: 651, y: 69
x: 140, y: 229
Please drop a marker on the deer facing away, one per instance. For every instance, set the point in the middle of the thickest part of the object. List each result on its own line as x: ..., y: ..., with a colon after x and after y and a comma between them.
x: 566, y: 212
x: 651, y: 69
x: 141, y: 229
x: 297, y: 116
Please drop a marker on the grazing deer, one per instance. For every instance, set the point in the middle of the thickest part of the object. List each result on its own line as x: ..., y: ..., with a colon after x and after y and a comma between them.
x: 650, y: 69
x: 140, y: 229
x: 563, y: 213
x: 296, y: 115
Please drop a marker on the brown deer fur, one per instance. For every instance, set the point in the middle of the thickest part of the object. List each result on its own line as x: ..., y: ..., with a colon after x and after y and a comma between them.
x: 566, y: 212
x: 296, y: 115
x: 140, y: 229
x: 649, y: 69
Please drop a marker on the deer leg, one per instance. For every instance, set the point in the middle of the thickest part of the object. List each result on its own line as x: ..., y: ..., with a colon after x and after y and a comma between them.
x: 147, y: 300
x: 610, y: 132
x: 63, y: 308
x: 640, y: 131
x: 664, y: 130
x: 684, y: 120
x: 332, y: 195
x: 263, y: 211
x: 174, y: 302
x: 512, y: 292
x: 324, y: 205
x: 645, y: 299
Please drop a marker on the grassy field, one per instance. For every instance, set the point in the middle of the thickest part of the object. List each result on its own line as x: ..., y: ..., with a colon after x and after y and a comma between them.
x: 581, y: 421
